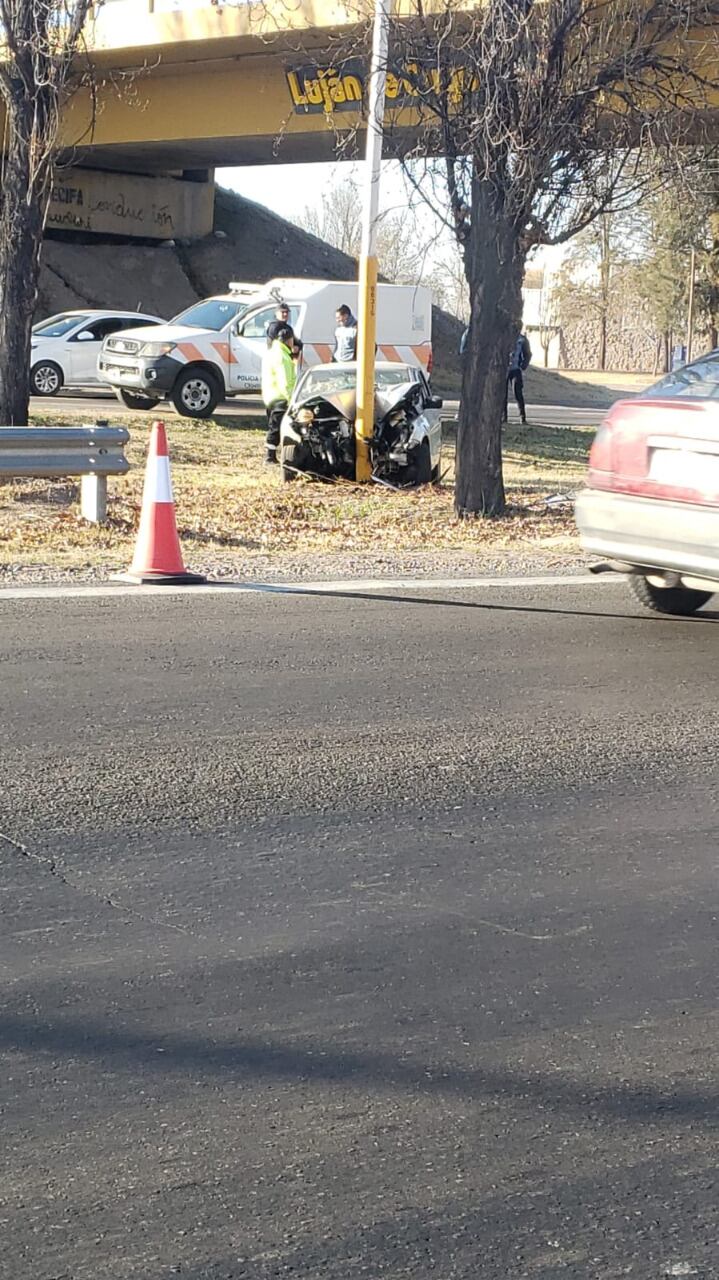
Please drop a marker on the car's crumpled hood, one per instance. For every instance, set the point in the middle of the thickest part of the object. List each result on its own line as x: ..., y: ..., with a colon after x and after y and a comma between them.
x: 345, y: 402
x: 392, y: 398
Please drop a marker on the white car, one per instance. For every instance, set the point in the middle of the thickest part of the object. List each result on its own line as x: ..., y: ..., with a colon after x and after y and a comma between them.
x: 317, y: 433
x: 65, y: 347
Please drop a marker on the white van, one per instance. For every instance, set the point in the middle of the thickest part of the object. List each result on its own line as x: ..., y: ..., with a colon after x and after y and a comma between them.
x: 215, y: 348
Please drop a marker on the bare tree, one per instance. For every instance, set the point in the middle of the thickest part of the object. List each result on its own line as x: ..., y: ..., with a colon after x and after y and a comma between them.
x: 336, y: 220
x: 544, y: 114
x: 548, y: 320
x: 448, y: 283
x: 586, y: 283
x: 41, y: 39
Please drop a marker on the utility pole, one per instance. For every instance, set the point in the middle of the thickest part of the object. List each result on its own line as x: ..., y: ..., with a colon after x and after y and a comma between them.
x: 367, y: 303
x: 690, y: 308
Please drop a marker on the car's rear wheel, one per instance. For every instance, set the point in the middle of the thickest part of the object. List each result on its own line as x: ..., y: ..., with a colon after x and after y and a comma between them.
x: 195, y: 394
x: 679, y: 601
x: 133, y: 401
x: 46, y: 378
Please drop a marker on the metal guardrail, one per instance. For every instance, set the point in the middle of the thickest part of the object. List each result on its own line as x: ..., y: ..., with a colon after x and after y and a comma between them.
x: 92, y: 452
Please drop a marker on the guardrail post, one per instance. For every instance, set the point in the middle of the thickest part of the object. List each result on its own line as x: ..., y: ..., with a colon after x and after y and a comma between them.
x: 93, y: 498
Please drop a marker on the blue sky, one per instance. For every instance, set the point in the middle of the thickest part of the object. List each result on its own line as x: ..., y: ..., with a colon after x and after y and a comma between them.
x: 289, y: 188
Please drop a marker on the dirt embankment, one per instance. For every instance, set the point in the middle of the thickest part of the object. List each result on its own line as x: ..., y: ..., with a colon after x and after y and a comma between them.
x: 249, y: 243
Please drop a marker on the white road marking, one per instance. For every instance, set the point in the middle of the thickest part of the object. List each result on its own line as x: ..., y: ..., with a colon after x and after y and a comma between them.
x: 352, y: 586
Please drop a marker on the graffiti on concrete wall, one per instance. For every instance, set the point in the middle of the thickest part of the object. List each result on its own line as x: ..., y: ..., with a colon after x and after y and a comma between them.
x: 118, y: 204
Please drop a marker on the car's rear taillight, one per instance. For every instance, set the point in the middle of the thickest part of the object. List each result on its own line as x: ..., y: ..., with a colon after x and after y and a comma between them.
x: 600, y: 458
x: 430, y: 362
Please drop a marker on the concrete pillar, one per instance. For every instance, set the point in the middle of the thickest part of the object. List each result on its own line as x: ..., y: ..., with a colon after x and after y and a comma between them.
x: 93, y: 498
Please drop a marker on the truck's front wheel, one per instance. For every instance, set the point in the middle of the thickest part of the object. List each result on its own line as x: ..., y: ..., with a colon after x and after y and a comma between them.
x: 195, y: 394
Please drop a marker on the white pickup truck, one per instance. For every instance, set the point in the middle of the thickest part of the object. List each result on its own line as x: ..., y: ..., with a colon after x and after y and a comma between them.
x: 214, y: 349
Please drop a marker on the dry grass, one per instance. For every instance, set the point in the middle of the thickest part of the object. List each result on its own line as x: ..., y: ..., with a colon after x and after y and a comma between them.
x: 230, y: 507
x: 619, y: 383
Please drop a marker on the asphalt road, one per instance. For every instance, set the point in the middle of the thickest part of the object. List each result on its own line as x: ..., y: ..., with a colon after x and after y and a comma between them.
x: 358, y: 936
x: 89, y: 407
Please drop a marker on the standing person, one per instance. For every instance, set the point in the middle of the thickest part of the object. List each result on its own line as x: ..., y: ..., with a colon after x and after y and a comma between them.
x: 279, y: 374
x: 518, y: 362
x: 345, y: 336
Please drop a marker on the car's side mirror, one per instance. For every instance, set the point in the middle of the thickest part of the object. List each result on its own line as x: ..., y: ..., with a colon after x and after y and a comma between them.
x: 435, y: 402
x: 86, y: 336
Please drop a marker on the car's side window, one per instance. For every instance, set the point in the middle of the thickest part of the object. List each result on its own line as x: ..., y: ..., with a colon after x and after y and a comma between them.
x: 700, y: 381
x: 134, y: 322
x: 106, y: 327
x: 256, y: 326
x: 97, y: 331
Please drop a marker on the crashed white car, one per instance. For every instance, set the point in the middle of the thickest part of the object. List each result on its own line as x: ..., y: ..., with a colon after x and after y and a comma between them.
x: 317, y: 433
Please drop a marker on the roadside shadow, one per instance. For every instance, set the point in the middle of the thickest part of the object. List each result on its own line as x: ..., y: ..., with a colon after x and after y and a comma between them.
x: 540, y: 440
x: 249, y: 1058
x: 253, y: 420
x: 380, y: 597
x: 211, y: 537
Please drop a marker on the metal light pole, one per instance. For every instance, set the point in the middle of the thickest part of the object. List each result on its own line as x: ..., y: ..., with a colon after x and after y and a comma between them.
x: 367, y: 303
x: 690, y: 307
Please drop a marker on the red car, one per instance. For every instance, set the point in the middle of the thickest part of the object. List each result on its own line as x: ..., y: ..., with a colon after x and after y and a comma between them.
x: 651, y: 505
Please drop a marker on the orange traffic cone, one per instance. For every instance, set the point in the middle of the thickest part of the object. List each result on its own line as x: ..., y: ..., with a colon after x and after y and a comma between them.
x: 158, y: 557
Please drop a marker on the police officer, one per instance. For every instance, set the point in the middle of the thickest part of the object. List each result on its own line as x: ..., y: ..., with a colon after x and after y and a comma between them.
x: 279, y: 374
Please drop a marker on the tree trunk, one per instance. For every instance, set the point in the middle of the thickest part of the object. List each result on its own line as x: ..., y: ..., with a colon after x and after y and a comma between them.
x: 494, y: 264
x: 22, y: 213
x: 605, y: 271
x: 603, y: 341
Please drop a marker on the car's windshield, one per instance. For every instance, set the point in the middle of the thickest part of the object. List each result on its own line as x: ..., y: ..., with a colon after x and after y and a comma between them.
x: 57, y: 326
x: 330, y: 380
x: 698, y: 380
x: 213, y: 313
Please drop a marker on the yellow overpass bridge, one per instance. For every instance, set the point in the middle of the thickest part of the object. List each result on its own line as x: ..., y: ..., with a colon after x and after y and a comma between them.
x: 183, y: 86
x: 191, y: 84
x: 196, y: 83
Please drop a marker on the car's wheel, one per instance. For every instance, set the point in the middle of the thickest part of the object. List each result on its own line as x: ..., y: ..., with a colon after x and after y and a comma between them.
x: 133, y: 401
x: 680, y: 601
x: 195, y: 394
x: 46, y: 378
x: 423, y: 465
x: 290, y: 461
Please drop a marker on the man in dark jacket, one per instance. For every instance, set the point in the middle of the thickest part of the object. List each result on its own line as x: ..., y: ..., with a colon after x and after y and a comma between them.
x: 519, y: 359
x: 282, y: 321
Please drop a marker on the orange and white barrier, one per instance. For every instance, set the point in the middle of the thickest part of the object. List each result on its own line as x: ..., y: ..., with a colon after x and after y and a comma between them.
x: 158, y: 556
